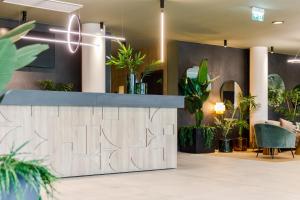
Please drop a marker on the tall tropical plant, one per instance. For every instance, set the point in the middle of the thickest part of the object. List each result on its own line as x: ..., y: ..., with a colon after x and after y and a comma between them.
x: 246, y: 105
x: 197, y: 90
x: 126, y: 59
x: 11, y: 58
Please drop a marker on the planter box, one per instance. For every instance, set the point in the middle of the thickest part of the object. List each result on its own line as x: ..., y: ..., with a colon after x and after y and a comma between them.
x: 28, y: 192
x: 198, y: 145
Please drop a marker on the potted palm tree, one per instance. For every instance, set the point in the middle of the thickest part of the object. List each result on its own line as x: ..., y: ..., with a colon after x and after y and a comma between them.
x: 21, y: 179
x: 198, y: 138
x: 245, y: 106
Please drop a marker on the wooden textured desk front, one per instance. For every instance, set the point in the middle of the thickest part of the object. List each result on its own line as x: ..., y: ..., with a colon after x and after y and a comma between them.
x: 90, y: 140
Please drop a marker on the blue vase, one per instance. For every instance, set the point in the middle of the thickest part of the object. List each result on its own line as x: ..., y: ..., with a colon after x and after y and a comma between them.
x: 27, y: 192
x: 131, y: 81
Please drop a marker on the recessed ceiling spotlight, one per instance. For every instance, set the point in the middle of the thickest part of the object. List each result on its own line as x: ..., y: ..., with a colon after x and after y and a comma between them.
x: 278, y: 22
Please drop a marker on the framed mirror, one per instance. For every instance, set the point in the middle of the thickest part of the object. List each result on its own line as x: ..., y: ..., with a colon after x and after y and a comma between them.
x: 231, y: 91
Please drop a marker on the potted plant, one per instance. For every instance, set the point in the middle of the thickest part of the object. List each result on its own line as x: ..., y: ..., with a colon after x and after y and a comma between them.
x: 245, y: 106
x: 128, y: 59
x: 21, y: 179
x: 226, y: 123
x: 198, y: 138
x: 141, y: 86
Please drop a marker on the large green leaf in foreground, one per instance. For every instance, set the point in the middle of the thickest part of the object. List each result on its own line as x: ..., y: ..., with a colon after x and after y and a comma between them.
x: 12, y: 59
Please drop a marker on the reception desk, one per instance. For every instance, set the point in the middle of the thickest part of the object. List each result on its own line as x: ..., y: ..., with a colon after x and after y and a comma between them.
x: 82, y: 134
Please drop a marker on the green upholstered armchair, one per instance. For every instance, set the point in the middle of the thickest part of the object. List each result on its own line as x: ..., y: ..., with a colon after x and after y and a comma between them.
x: 274, y: 137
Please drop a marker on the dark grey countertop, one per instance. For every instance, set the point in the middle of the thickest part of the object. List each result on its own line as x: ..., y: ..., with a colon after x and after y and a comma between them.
x: 54, y: 98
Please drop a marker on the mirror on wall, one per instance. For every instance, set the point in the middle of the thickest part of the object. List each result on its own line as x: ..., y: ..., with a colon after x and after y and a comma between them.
x: 275, y: 82
x: 231, y: 91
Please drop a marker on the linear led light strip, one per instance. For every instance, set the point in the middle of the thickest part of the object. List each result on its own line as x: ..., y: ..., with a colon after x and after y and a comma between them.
x: 162, y: 31
x: 58, y: 41
x: 87, y: 34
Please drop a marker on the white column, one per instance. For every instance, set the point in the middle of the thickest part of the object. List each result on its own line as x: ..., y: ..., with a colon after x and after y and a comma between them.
x: 259, y: 85
x: 93, y: 59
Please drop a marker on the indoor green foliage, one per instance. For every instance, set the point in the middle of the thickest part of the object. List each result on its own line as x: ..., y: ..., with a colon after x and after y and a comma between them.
x: 149, y: 69
x: 126, y: 59
x: 186, y: 135
x: 289, y: 107
x: 36, y: 175
x: 285, y: 102
x: 237, y: 116
x: 246, y: 105
x: 276, y: 89
x: 11, y: 58
x: 226, y: 125
x: 52, y: 86
x: 227, y: 122
x: 196, y: 91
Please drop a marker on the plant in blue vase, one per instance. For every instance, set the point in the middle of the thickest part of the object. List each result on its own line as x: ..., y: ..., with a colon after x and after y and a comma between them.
x: 132, y: 61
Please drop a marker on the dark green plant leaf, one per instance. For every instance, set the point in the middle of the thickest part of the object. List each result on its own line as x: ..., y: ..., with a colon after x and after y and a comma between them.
x: 203, y: 71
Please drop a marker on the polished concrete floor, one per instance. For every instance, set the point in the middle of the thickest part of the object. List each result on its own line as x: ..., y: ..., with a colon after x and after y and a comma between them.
x: 198, y: 177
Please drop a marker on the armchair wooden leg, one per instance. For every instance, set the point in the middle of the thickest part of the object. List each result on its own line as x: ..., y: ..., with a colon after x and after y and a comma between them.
x: 272, y: 153
x: 292, y: 153
x: 257, y: 152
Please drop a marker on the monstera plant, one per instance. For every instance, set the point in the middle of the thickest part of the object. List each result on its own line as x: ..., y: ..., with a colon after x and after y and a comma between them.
x: 11, y: 58
x: 198, y: 138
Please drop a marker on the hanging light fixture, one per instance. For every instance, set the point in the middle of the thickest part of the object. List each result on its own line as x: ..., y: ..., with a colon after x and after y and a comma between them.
x: 225, y: 43
x: 101, y: 26
x: 272, y: 50
x: 162, y: 31
x: 73, y: 46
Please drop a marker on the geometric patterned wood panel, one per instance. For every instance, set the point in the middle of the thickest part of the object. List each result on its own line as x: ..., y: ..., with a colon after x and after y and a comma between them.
x: 78, y: 141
